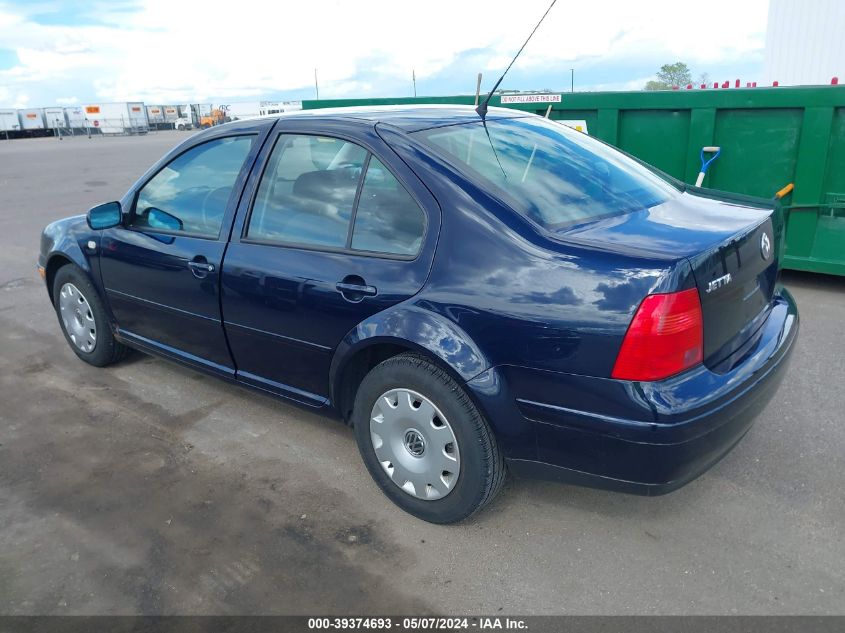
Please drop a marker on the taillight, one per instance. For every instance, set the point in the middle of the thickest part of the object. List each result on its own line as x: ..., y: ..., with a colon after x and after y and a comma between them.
x: 665, y: 337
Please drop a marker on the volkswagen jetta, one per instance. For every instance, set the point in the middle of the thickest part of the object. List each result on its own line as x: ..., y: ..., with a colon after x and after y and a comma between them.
x: 469, y: 294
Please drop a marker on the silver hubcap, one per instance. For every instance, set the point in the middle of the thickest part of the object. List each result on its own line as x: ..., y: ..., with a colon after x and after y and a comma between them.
x: 77, y: 318
x: 414, y: 444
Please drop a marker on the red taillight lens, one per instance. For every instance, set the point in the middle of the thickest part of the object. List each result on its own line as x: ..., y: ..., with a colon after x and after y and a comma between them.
x: 665, y: 337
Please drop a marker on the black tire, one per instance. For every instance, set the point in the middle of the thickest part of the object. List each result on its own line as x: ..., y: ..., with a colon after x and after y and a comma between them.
x: 482, y: 468
x: 106, y: 349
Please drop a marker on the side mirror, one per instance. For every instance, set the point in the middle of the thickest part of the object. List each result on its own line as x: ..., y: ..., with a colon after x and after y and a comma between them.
x: 158, y: 219
x: 104, y: 216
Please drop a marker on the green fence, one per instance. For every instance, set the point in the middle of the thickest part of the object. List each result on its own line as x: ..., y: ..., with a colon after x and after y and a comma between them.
x: 769, y: 137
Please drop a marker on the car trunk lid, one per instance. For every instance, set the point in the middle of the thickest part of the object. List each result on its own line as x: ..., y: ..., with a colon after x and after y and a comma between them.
x: 734, y: 252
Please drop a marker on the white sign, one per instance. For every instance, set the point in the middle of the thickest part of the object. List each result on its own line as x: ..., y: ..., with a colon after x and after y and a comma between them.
x: 544, y: 98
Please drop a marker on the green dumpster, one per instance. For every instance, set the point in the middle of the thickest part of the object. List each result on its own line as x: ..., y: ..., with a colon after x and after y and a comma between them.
x: 769, y: 137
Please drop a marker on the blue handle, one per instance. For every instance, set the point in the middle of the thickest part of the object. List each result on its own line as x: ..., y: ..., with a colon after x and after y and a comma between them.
x: 706, y: 163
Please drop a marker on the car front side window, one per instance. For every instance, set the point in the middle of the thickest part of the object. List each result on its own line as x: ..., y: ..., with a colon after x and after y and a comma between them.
x: 191, y: 193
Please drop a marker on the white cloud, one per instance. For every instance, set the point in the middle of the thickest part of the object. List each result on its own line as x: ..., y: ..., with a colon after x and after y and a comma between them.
x: 67, y: 100
x: 175, y: 51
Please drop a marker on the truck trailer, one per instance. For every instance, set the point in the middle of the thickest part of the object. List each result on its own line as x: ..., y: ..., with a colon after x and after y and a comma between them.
x: 10, y: 124
x: 76, y: 118
x: 32, y: 121
x: 171, y: 113
x: 54, y: 118
x: 156, y: 118
x: 124, y: 117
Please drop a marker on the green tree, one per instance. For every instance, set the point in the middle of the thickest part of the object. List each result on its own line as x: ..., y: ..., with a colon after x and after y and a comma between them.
x: 677, y: 74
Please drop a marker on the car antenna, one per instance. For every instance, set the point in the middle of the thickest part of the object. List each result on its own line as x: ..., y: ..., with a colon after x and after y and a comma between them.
x: 482, y: 107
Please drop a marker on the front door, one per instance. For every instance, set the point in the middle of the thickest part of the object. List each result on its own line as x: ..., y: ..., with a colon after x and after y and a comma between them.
x: 334, y: 233
x: 161, y: 270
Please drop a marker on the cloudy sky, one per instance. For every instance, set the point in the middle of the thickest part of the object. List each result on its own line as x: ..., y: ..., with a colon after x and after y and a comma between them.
x: 172, y: 51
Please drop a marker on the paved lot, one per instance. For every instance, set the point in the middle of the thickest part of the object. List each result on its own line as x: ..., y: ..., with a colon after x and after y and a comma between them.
x: 147, y: 488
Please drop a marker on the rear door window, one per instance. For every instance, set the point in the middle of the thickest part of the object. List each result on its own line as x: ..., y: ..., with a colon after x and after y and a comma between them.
x: 324, y: 192
x: 387, y: 220
x: 307, y: 192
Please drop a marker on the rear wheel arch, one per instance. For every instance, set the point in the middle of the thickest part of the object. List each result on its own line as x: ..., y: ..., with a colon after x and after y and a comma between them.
x: 351, y: 372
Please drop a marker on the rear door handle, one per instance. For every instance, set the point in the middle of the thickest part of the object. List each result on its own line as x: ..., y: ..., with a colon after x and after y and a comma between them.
x: 369, y: 291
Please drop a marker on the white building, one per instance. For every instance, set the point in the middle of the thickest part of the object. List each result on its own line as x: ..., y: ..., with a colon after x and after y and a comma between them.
x: 805, y: 42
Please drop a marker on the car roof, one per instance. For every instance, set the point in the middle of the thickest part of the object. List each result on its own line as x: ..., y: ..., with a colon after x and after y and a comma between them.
x: 410, y: 118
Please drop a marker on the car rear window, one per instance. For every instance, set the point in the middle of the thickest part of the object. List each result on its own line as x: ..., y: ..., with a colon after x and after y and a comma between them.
x: 555, y: 176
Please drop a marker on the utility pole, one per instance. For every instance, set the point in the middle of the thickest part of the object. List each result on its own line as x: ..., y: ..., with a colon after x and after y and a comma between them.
x: 316, y: 85
x: 414, y: 78
x: 571, y: 80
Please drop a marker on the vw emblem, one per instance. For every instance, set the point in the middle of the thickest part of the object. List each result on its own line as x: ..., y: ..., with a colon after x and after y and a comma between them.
x: 765, y: 246
x: 414, y: 442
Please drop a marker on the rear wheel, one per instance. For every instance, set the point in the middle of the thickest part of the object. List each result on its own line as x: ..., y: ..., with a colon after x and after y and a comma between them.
x: 424, y: 442
x: 83, y: 319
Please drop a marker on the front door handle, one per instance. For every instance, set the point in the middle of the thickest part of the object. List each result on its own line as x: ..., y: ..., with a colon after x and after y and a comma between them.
x: 200, y: 268
x: 203, y: 266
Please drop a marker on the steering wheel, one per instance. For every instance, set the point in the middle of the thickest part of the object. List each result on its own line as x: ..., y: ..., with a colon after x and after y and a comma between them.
x: 204, y: 207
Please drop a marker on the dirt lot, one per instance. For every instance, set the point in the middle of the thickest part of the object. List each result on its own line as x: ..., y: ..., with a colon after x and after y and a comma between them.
x: 147, y: 488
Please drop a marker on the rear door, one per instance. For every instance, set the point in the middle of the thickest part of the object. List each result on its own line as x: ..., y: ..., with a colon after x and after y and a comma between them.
x: 338, y: 228
x: 161, y: 269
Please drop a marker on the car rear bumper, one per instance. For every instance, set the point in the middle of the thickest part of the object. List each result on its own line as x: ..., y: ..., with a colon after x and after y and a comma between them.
x: 648, y: 438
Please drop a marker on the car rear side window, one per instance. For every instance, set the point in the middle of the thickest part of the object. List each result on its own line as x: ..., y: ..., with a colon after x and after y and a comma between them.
x: 191, y: 193
x: 388, y: 220
x: 308, y: 192
x: 554, y: 175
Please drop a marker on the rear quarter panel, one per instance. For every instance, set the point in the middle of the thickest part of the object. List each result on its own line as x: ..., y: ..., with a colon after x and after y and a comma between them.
x: 521, y: 297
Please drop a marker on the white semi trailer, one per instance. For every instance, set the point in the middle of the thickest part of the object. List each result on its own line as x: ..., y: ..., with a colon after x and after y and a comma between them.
x: 54, y: 118
x: 32, y: 120
x: 244, y: 110
x: 76, y: 118
x: 171, y: 113
x: 9, y: 121
x: 124, y: 117
x: 155, y: 115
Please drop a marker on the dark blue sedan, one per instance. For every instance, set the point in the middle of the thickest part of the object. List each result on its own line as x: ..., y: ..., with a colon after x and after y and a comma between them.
x: 470, y: 295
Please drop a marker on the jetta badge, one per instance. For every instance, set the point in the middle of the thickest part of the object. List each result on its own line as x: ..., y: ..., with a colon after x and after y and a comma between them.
x: 724, y: 280
x: 765, y: 246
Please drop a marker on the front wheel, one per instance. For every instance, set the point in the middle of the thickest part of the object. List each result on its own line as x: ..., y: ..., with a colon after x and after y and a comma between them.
x: 83, y: 319
x: 424, y: 441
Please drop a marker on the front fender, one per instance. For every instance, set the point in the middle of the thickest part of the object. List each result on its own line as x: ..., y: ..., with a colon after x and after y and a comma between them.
x: 68, y: 240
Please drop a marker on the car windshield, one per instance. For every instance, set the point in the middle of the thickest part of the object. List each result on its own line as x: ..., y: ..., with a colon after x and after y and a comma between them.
x: 554, y: 175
